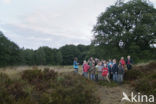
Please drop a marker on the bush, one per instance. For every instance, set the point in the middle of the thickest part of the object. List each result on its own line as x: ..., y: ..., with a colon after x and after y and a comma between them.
x: 132, y: 74
x: 146, y: 86
x: 25, y: 101
x: 30, y: 75
x: 4, y: 79
x: 16, y: 89
x: 73, y: 89
x: 40, y: 79
x: 5, y: 97
x: 47, y: 87
x: 143, y: 85
x: 38, y: 75
x: 49, y: 74
x: 10, y: 90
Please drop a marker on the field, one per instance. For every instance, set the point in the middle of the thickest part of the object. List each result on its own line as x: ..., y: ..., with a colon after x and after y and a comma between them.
x: 59, y: 85
x: 13, y: 71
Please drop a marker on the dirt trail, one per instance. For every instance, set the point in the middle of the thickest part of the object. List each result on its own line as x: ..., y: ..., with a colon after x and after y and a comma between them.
x: 112, y: 95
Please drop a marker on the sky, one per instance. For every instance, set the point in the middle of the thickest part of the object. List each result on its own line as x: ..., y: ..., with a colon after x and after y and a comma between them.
x: 53, y: 23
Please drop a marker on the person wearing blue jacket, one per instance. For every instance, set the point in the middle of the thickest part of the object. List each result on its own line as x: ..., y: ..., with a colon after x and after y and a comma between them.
x: 75, y: 65
x: 110, y: 64
x: 115, y: 71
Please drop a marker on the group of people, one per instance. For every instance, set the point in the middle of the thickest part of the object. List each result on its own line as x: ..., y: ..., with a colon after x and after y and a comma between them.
x: 96, y: 69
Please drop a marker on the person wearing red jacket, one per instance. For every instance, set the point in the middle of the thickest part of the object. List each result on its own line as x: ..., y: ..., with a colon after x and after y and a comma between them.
x: 85, y: 69
x: 122, y: 62
x: 105, y: 72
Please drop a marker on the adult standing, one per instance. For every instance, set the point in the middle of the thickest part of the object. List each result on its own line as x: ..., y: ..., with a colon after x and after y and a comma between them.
x: 75, y: 65
x: 120, y: 73
x: 110, y: 64
x: 122, y: 62
x: 115, y: 71
x: 90, y: 62
x: 129, y: 62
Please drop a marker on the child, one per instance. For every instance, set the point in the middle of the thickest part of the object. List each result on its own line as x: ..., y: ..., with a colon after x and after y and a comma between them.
x: 99, y: 70
x: 120, y: 73
x: 85, y: 69
x: 75, y: 65
x: 105, y: 73
x: 92, y: 71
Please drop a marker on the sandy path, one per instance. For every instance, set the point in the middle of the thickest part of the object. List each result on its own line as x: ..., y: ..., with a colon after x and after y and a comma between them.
x: 113, y: 95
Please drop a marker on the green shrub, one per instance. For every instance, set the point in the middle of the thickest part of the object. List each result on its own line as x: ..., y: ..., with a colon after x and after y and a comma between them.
x: 10, y: 90
x: 25, y: 101
x: 132, y: 74
x: 31, y: 75
x: 40, y: 79
x: 4, y: 79
x: 47, y: 87
x: 73, y: 89
x: 152, y: 76
x: 143, y: 85
x: 5, y: 97
x: 16, y: 89
x: 146, y: 84
x: 38, y: 75
x: 49, y: 74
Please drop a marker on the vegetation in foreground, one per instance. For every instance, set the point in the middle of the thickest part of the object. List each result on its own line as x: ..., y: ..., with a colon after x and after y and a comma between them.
x: 143, y: 78
x: 46, y: 87
x: 49, y: 87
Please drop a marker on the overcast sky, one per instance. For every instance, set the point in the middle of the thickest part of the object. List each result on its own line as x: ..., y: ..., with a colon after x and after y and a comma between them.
x: 53, y: 23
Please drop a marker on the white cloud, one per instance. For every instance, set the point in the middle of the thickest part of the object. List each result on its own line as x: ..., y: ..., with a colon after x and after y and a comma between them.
x: 7, y: 1
x: 54, y: 22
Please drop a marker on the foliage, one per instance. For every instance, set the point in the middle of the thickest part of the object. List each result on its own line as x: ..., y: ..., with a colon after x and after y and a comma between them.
x: 75, y: 87
x: 47, y: 87
x: 11, y: 54
x: 132, y: 74
x: 143, y: 78
x: 9, y: 51
x: 132, y: 23
x: 145, y: 85
x: 68, y: 53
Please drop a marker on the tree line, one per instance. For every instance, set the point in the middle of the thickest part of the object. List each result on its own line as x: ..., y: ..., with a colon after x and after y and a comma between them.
x: 11, y: 54
x: 123, y: 29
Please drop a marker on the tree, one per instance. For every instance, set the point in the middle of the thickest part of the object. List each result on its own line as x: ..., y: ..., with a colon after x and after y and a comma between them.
x: 58, y: 58
x: 9, y: 51
x: 47, y: 56
x: 68, y: 54
x: 83, y: 49
x: 133, y: 23
x: 27, y: 57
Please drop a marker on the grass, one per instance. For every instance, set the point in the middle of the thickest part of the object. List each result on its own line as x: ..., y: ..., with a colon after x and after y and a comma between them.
x: 105, y: 83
